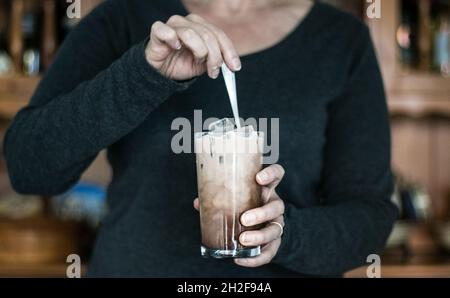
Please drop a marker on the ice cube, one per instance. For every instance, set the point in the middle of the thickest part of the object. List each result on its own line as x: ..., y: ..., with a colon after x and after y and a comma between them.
x: 246, y: 131
x: 222, y: 126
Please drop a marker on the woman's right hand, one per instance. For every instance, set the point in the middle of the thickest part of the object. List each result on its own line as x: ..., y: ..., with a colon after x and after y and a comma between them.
x: 186, y: 47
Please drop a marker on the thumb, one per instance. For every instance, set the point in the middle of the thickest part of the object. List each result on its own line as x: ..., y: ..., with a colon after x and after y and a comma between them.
x: 196, y: 204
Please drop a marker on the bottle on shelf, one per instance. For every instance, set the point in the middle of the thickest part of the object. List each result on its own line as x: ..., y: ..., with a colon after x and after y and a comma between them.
x: 31, y: 57
x: 5, y: 59
x: 442, y: 46
x: 49, y: 33
x: 424, y: 40
x: 407, y: 34
x: 15, y: 33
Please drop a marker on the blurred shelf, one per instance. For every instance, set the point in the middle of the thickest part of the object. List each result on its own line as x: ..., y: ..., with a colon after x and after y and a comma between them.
x: 419, y: 94
x: 15, y: 92
x: 417, y: 105
x: 35, y: 270
x: 411, y: 92
x: 416, y: 81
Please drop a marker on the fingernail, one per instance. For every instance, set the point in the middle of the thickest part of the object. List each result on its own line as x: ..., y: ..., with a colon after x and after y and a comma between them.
x: 248, y: 219
x: 237, y: 64
x: 178, y: 45
x: 215, y: 73
x: 247, y: 238
x: 262, y: 176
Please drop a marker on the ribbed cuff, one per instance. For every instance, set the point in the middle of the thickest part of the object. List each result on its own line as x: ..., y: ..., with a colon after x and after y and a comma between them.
x: 147, y: 78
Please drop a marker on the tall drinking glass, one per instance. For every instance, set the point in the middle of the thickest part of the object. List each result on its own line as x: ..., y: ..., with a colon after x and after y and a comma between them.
x: 228, y: 160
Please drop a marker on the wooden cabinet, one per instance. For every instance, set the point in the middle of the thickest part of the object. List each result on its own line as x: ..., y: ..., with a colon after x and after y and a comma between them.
x: 410, y: 93
x: 419, y: 102
x: 16, y: 89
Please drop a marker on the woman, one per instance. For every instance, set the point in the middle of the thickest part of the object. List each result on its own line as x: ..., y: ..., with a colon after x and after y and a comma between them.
x: 113, y: 85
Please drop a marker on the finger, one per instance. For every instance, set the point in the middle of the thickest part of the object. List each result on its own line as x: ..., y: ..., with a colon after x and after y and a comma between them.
x: 267, y: 254
x: 196, y: 204
x: 193, y: 42
x: 268, y: 194
x: 214, y: 56
x: 214, y: 60
x: 161, y: 34
x: 270, y: 176
x: 176, y: 20
x: 229, y: 53
x: 188, y: 36
x: 268, y: 212
x: 254, y: 238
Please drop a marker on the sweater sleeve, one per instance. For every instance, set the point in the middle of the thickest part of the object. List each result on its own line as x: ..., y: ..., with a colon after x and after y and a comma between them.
x: 356, y: 214
x: 94, y: 94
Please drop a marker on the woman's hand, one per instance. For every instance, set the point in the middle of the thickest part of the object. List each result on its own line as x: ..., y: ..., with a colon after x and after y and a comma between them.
x: 186, y: 47
x: 272, y: 211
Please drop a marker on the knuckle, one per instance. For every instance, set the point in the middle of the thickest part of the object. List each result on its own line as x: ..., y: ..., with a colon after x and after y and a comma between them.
x: 171, y: 34
x: 208, y: 37
x: 260, y: 237
x: 188, y: 33
x: 262, y: 214
x: 214, y: 58
x: 202, y: 53
x: 195, y: 17
x: 175, y: 19
x: 216, y: 30
x: 216, y: 61
x: 225, y: 41
x: 155, y: 26
x: 222, y: 35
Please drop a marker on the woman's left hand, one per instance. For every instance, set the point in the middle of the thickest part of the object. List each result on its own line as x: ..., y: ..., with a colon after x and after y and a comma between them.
x: 270, y: 213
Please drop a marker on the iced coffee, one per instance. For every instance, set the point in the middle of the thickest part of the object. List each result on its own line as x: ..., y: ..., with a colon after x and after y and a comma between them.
x: 228, y: 160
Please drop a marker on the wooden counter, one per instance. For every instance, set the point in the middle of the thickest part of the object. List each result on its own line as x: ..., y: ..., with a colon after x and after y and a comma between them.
x: 406, y: 271
x: 387, y: 271
x: 38, y: 271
